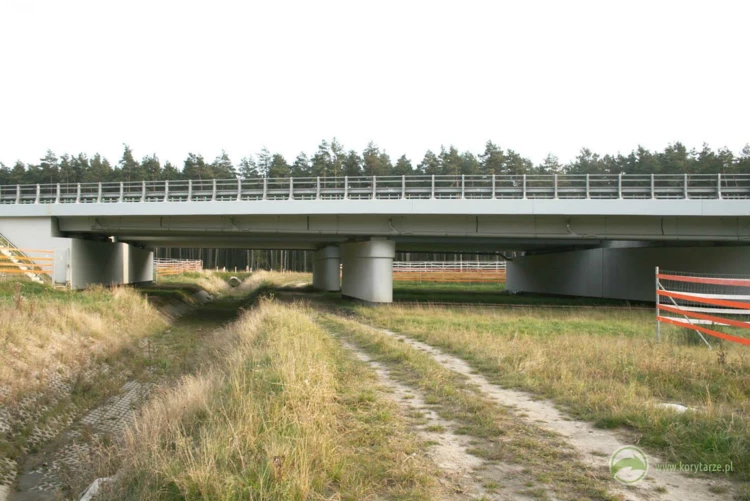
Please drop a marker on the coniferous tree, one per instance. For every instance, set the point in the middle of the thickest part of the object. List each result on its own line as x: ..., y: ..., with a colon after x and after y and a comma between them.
x: 352, y: 164
x: 248, y: 168
x: 403, y: 167
x: 492, y: 160
x: 222, y: 167
x: 301, y: 166
x: 278, y: 167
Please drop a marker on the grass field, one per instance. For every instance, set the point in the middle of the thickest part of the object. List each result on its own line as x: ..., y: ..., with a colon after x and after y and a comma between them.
x: 287, y: 415
x: 259, y: 399
x: 605, y: 367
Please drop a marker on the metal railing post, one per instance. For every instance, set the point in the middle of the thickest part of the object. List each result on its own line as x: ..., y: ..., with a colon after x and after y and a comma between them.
x: 317, y: 188
x: 653, y: 189
x: 122, y: 192
x: 403, y: 187
x: 523, y: 188
x: 166, y: 190
x: 588, y: 195
x: 554, y: 194
x: 57, y: 195
x: 38, y: 193
x: 718, y: 186
x: 99, y: 194
x: 291, y: 188
x: 493, y: 187
x: 374, y: 188
x: 213, y: 190
x: 18, y: 193
x: 619, y: 186
x: 432, y: 190
x: 658, y: 324
x: 78, y: 193
x: 143, y: 191
x: 239, y: 189
x: 190, y: 190
x: 463, y: 184
x: 685, y: 191
x: 265, y: 188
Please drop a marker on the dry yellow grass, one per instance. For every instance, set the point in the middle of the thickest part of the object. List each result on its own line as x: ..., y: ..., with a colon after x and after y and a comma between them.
x: 288, y: 416
x: 607, y: 367
x: 62, y: 333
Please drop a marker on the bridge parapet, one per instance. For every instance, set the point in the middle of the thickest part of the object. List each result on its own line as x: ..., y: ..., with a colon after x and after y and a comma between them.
x: 568, y: 186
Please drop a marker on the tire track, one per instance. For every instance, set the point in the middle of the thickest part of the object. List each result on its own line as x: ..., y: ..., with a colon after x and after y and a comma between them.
x: 465, y: 475
x: 594, y: 445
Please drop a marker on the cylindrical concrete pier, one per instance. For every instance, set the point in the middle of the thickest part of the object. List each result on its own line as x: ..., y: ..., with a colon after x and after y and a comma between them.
x: 368, y: 270
x: 326, y: 269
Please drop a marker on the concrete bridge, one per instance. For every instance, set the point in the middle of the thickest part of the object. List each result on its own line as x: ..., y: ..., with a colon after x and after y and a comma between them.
x: 590, y: 235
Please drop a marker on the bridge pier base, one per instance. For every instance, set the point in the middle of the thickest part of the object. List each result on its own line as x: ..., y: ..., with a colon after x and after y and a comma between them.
x: 618, y: 271
x: 327, y: 269
x: 368, y: 270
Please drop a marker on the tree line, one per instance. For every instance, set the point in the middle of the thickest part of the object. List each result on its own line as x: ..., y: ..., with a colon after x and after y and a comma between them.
x: 332, y: 160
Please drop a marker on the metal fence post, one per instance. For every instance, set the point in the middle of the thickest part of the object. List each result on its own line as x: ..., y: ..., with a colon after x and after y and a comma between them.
x: 190, y: 190
x: 718, y: 186
x: 78, y: 193
x: 122, y: 192
x: 346, y: 187
x: 166, y: 190
x: 523, y: 188
x: 463, y: 184
x: 291, y: 188
x: 619, y: 186
x: 99, y: 194
x: 38, y: 193
x: 213, y: 191
x: 374, y: 188
x: 554, y: 195
x: 18, y: 193
x: 658, y: 324
x: 239, y: 189
x: 493, y: 187
x: 403, y: 187
x: 57, y: 196
x: 432, y: 189
x: 317, y: 188
x: 265, y: 188
x: 685, y: 192
x: 588, y: 195
x: 653, y: 189
x: 143, y: 191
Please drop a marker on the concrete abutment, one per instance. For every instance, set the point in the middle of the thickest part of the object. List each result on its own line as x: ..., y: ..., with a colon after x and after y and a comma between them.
x: 619, y: 272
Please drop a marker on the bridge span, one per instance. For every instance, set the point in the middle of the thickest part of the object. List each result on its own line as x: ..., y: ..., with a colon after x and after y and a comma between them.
x: 592, y: 235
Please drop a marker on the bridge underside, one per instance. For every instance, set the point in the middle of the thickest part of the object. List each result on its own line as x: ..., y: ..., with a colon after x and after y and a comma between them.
x: 589, y: 255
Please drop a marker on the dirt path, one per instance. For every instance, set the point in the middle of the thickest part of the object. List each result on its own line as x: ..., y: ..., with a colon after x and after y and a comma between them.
x: 595, y: 445
x: 466, y: 476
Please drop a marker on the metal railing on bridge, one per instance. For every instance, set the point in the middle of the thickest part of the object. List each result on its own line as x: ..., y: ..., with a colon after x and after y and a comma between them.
x: 568, y: 186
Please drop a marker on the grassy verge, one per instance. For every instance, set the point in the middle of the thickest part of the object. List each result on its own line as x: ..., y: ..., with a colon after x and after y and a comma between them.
x: 605, y: 367
x: 550, y: 464
x: 44, y: 332
x: 289, y: 415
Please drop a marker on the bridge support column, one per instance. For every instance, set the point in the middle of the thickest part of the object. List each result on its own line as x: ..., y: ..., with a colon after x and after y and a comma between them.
x: 327, y: 269
x: 368, y: 270
x: 618, y: 271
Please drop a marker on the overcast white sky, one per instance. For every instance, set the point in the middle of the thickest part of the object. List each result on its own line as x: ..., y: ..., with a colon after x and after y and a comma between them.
x: 539, y: 77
